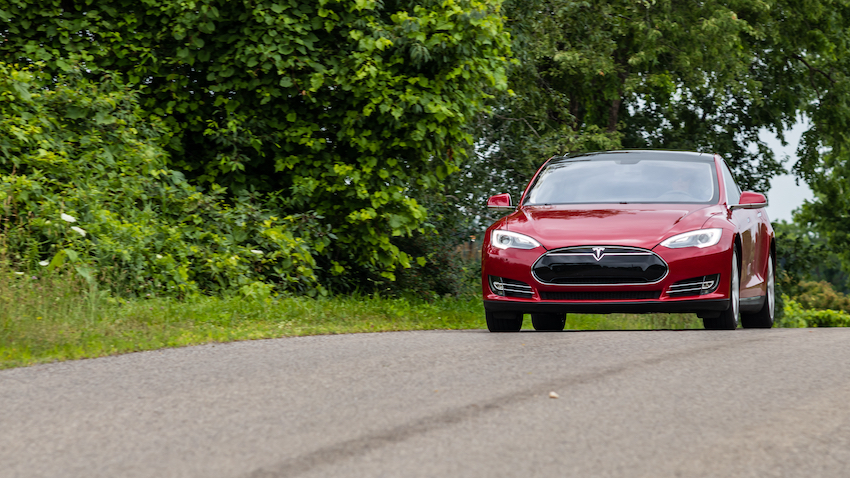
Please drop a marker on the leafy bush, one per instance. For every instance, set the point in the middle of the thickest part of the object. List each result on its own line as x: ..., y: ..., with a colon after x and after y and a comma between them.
x: 821, y: 295
x: 796, y: 315
x: 445, y: 272
x: 340, y: 105
x: 83, y: 181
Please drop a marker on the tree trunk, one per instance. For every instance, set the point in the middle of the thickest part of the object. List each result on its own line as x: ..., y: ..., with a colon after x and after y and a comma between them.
x: 614, y: 114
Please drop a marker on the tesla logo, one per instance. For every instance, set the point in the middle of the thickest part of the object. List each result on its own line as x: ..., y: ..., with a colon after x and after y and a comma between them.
x: 598, y: 252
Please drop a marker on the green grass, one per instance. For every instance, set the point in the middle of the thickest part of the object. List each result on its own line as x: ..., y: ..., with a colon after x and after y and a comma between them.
x: 60, y: 317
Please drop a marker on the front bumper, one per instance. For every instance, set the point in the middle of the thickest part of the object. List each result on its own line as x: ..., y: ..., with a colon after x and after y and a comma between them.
x: 663, y: 296
x: 607, y: 307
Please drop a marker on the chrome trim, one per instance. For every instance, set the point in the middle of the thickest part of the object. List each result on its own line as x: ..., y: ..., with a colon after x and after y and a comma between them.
x: 678, y: 289
x: 638, y: 252
x: 522, y: 289
x: 702, y: 285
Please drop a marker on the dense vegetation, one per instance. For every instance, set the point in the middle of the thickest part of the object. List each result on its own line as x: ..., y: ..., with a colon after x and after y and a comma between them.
x: 211, y: 147
x: 338, y: 109
x: 88, y: 184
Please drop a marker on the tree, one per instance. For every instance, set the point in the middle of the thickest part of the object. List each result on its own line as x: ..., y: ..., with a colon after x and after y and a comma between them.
x: 706, y: 76
x: 336, y: 106
x: 815, y: 37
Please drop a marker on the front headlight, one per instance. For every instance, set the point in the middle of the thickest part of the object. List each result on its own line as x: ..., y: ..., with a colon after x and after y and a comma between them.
x: 701, y: 238
x: 506, y: 239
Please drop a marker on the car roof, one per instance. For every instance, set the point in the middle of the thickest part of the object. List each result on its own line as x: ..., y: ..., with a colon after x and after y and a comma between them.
x: 638, y: 154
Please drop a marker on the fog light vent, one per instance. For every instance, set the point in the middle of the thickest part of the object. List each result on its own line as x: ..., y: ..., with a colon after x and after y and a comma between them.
x: 694, y: 286
x: 510, y: 288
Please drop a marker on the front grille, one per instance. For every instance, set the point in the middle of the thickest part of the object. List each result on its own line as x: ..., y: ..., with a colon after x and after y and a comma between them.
x: 510, y: 287
x: 601, y: 295
x: 694, y: 286
x: 598, y: 265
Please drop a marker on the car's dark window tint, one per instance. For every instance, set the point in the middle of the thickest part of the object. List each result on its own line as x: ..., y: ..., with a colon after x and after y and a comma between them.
x: 624, y: 181
x: 733, y: 192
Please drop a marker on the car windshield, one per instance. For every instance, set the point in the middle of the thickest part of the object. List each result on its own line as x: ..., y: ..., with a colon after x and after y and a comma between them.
x: 624, y: 180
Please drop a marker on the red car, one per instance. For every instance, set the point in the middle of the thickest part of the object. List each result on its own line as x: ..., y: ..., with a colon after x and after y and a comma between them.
x: 630, y: 231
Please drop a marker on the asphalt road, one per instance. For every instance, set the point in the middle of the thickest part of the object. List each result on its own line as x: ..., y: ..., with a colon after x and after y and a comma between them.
x: 443, y: 404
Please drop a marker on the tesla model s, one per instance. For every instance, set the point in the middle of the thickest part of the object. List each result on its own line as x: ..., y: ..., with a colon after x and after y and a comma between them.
x: 632, y: 232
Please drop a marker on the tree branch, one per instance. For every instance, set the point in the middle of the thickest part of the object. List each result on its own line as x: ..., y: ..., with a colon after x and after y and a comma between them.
x: 519, y: 119
x: 812, y: 71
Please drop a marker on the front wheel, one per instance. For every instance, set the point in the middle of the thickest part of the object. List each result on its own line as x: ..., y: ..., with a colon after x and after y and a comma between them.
x: 763, y: 319
x: 503, y: 321
x: 728, y: 319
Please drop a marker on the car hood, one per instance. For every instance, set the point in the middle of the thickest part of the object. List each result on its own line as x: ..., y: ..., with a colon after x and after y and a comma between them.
x: 636, y: 225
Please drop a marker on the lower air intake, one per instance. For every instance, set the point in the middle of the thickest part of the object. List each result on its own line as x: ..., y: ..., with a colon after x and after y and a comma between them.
x: 601, y: 295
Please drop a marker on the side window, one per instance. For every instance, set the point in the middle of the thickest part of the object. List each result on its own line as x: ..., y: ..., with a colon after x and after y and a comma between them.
x: 733, y: 192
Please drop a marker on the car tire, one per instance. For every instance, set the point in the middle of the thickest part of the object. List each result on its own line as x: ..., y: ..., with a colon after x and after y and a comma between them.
x: 548, y: 322
x: 728, y: 319
x: 503, y: 321
x: 763, y: 319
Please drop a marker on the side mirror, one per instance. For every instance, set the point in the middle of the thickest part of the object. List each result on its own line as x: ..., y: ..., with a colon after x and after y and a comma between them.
x: 750, y: 200
x: 500, y: 202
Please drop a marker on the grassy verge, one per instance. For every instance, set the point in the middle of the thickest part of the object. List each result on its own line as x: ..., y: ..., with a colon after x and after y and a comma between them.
x: 45, y: 319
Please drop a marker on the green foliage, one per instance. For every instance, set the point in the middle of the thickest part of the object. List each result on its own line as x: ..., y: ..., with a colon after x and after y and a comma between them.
x: 446, y: 266
x: 808, y: 272
x: 443, y: 270
x: 338, y: 106
x: 804, y: 255
x: 706, y: 76
x: 821, y: 295
x: 796, y: 315
x: 83, y: 182
x: 814, y: 34
x: 829, y: 212
x: 360, y: 116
